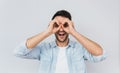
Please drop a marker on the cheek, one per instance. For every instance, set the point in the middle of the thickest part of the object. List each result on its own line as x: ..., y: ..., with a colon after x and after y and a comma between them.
x: 57, y: 35
x: 66, y: 35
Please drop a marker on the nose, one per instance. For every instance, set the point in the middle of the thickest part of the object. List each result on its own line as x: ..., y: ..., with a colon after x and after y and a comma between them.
x: 61, y: 29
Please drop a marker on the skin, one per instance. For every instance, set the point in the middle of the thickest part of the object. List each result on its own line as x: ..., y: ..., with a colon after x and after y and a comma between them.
x: 61, y: 33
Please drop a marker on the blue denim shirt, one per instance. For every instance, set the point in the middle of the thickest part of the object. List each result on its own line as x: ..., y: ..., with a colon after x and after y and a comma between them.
x: 47, y: 54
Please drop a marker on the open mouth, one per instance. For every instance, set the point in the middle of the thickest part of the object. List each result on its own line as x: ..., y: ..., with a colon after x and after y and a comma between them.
x: 61, y: 33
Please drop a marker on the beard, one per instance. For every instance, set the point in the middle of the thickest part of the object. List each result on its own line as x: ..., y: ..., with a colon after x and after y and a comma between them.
x: 61, y: 36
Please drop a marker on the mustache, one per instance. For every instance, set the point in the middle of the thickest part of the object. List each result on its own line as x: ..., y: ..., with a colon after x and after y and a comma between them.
x: 61, y: 31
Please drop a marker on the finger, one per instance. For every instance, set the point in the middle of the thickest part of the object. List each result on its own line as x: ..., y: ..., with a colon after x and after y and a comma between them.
x: 64, y: 28
x: 58, y: 27
x: 67, y: 21
x: 72, y: 24
x: 55, y: 23
x: 52, y: 23
x: 55, y: 20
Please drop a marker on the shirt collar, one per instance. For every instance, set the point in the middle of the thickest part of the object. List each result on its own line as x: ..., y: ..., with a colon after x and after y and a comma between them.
x: 70, y: 44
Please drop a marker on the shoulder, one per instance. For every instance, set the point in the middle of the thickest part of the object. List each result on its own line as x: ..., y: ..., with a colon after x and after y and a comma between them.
x: 46, y: 44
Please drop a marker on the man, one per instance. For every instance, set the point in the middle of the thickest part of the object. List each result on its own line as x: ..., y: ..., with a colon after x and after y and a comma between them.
x: 61, y: 55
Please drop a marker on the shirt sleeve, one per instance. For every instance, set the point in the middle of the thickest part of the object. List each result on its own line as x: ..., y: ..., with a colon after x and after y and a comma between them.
x: 23, y: 52
x: 89, y: 57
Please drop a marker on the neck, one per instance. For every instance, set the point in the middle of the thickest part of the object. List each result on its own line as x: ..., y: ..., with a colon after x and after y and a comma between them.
x: 62, y: 44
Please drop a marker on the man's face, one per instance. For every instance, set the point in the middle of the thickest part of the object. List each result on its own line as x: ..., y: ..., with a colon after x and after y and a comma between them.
x: 61, y: 35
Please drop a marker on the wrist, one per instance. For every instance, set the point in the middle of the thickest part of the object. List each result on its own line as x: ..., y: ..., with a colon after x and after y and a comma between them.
x: 48, y: 32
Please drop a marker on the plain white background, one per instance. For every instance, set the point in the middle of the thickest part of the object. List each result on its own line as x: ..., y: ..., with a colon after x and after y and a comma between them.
x: 98, y: 20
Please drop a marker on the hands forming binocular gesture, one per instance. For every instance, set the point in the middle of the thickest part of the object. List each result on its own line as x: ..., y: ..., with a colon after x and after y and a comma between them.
x: 66, y: 25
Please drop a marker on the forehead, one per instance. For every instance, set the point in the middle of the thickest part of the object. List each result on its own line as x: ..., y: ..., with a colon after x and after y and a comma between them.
x: 61, y: 18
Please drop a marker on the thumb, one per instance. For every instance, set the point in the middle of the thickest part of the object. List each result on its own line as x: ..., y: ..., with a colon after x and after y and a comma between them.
x: 59, y: 27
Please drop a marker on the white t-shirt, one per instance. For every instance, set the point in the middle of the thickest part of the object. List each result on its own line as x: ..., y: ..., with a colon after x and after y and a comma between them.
x: 62, y: 65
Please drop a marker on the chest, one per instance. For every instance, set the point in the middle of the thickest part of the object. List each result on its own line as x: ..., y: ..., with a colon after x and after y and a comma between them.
x: 51, y: 54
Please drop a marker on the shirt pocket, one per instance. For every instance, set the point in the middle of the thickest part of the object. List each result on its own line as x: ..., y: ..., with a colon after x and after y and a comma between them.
x: 77, y: 58
x: 78, y: 64
x: 45, y: 63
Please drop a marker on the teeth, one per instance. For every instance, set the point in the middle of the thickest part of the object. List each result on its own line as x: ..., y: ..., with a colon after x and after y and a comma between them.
x: 61, y: 34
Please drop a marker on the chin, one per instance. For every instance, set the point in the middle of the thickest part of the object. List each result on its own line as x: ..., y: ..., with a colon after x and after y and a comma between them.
x: 62, y: 40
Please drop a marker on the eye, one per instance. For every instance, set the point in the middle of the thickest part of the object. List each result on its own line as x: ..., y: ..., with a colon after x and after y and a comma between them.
x: 56, y: 25
x: 65, y: 25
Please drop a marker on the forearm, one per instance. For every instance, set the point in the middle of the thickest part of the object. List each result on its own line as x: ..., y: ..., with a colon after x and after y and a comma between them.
x: 90, y: 45
x: 33, y: 41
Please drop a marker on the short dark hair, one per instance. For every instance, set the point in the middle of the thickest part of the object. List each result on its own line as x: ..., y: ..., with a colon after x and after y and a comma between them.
x: 63, y: 13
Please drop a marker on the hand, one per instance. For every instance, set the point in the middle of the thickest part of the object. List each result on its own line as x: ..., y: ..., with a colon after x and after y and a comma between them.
x: 53, y: 27
x: 68, y: 26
